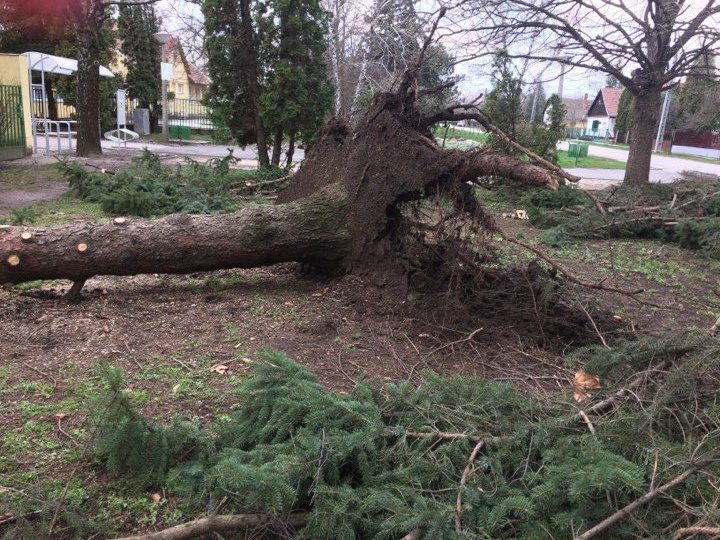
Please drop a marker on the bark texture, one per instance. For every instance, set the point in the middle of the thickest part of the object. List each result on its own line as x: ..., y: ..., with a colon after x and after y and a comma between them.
x: 312, y: 230
x: 92, y: 13
x: 646, y: 116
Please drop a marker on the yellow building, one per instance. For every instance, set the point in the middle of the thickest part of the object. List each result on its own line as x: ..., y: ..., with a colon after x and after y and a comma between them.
x: 15, y: 123
x: 189, y: 81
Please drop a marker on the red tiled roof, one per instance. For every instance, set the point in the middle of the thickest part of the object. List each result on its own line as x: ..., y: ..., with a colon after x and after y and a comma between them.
x: 195, y: 74
x: 611, y: 98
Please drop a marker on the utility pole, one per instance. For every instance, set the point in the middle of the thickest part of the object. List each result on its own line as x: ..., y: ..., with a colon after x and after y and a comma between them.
x: 663, y: 121
x: 165, y: 76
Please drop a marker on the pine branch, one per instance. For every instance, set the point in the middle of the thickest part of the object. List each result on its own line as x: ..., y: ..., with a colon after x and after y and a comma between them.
x: 648, y: 497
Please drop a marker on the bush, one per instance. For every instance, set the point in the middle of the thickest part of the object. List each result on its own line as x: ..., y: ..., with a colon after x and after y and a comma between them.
x: 355, y: 462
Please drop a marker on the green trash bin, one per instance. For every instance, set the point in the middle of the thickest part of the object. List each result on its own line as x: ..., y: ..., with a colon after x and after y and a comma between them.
x: 583, y: 150
x: 179, y: 132
x: 573, y: 150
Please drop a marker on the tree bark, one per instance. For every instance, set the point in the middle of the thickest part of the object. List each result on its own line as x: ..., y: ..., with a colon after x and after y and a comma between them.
x: 645, y: 119
x: 51, y: 101
x: 277, y: 147
x: 311, y: 230
x: 88, y: 77
x: 252, y: 83
x: 291, y: 148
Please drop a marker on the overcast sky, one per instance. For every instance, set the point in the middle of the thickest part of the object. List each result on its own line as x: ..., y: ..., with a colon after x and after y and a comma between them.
x: 475, y: 78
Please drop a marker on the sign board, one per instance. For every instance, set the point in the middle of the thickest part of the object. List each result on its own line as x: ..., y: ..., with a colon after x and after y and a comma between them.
x: 121, y: 108
x: 166, y: 71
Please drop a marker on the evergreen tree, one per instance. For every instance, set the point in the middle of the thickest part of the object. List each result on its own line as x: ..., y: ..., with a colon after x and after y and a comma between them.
x: 297, y: 94
x: 137, y: 26
x: 624, y: 117
x: 698, y: 100
x: 234, y: 66
x: 503, y: 104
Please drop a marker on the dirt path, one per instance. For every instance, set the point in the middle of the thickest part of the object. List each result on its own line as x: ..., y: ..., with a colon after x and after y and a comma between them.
x: 44, y: 192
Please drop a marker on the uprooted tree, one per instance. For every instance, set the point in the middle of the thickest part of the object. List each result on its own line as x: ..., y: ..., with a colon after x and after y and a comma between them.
x: 344, y: 210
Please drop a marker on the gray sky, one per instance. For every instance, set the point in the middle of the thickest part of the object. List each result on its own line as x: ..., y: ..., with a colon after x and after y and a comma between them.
x: 475, y: 77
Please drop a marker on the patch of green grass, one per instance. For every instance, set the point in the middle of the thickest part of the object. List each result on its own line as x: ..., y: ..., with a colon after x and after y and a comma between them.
x: 28, y: 177
x: 590, y: 162
x: 62, y: 211
x: 455, y: 133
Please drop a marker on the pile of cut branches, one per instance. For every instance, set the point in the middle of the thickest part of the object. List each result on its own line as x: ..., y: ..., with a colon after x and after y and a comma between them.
x: 686, y: 212
x: 453, y: 458
x: 150, y: 188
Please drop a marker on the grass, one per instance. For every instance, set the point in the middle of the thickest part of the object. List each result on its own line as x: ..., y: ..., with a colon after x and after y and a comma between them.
x: 56, y: 212
x: 159, y: 138
x: 590, y: 162
x: 27, y: 177
x: 689, y: 157
x: 455, y: 133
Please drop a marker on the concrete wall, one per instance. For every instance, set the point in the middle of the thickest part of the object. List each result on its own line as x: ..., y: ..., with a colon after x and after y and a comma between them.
x: 702, y: 152
x: 14, y: 71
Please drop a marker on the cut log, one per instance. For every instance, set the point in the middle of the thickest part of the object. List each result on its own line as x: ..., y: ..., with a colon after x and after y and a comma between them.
x: 312, y: 230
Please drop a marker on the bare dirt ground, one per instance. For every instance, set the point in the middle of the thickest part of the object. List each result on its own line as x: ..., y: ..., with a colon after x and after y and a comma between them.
x: 185, y: 342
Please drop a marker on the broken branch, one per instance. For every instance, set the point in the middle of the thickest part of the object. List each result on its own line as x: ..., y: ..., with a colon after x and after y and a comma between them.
x: 649, y: 496
x: 220, y: 524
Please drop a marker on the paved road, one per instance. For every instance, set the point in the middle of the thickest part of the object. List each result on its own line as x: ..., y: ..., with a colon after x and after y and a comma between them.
x: 662, y: 168
x: 196, y: 151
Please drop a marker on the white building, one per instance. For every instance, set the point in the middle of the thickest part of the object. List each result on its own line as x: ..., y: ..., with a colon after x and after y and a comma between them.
x: 601, y: 116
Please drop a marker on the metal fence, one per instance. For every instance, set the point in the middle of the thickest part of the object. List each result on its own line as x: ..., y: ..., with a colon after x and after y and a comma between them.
x: 12, y: 125
x: 189, y: 113
x: 588, y: 134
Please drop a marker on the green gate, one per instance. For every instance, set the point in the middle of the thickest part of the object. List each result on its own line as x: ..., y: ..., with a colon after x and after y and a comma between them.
x: 12, y: 124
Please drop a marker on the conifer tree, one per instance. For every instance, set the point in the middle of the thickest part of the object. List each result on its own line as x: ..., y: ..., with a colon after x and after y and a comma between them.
x: 624, y: 117
x: 297, y: 94
x: 137, y: 26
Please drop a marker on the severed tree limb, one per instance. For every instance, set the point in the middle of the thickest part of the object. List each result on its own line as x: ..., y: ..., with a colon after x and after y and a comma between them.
x: 649, y: 496
x: 463, y: 482
x: 712, y: 532
x: 472, y: 112
x: 415, y: 534
x: 220, y: 524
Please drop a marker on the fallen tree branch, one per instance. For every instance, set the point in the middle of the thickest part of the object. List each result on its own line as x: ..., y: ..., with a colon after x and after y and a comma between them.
x: 649, y: 496
x: 469, y: 468
x: 450, y: 115
x: 571, y: 277
x: 605, y: 404
x: 692, y: 531
x: 220, y: 524
x: 415, y: 534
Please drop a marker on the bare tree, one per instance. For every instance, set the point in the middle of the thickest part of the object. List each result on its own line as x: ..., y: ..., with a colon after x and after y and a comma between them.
x: 647, y: 45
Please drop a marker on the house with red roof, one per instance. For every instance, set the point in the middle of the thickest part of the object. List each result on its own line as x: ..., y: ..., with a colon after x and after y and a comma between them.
x: 189, y: 81
x: 601, y: 116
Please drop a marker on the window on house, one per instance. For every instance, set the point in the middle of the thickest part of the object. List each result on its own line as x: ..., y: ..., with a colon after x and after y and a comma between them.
x: 179, y: 89
x: 596, y: 125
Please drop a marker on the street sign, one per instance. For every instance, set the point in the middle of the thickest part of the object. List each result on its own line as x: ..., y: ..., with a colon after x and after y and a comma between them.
x: 121, y: 108
x: 166, y: 71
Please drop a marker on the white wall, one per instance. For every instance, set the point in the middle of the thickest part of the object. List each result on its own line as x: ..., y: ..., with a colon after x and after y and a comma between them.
x: 692, y: 150
x: 606, y: 124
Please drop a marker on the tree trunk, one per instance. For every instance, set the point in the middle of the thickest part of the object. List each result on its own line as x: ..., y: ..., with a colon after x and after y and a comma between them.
x: 88, y: 78
x: 51, y: 101
x: 277, y: 147
x: 252, y: 83
x: 645, y: 119
x: 291, y: 149
x: 312, y: 230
